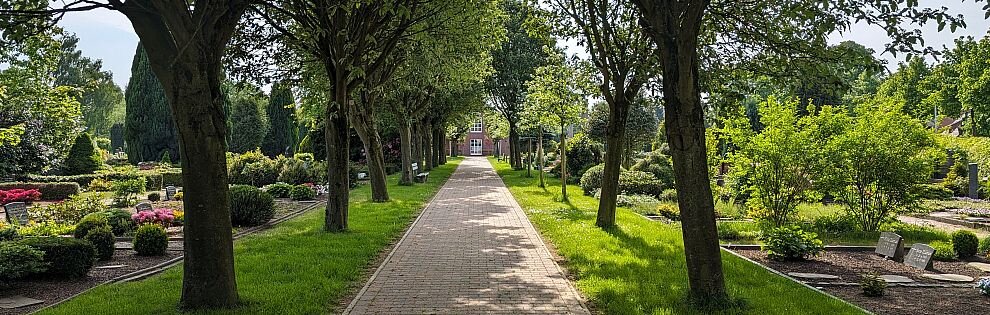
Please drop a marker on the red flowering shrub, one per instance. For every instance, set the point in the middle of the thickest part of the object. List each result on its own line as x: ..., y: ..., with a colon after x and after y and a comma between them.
x: 19, y: 195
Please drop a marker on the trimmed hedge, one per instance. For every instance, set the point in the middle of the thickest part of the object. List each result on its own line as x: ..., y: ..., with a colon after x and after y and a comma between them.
x: 67, y: 257
x: 49, y: 191
x: 82, y: 180
x: 19, y: 261
x: 150, y: 240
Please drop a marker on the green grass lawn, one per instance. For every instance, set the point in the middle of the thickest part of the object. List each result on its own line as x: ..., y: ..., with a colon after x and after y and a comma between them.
x: 294, y: 268
x: 639, y: 268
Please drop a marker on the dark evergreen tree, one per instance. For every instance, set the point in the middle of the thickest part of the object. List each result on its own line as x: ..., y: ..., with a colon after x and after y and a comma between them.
x: 116, y: 137
x: 248, y: 124
x: 282, y: 126
x: 149, y: 127
x: 83, y: 157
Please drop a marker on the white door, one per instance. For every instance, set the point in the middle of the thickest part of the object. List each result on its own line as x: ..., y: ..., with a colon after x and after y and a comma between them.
x: 475, y: 146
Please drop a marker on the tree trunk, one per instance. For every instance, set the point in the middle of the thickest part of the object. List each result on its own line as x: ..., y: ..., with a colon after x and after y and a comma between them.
x: 515, y: 157
x: 428, y: 156
x: 367, y: 130
x: 529, y: 159
x: 406, y: 147
x: 417, y: 144
x: 539, y: 152
x: 439, y: 153
x: 614, y: 138
x: 675, y: 30
x: 338, y: 151
x: 208, y: 275
x: 563, y: 162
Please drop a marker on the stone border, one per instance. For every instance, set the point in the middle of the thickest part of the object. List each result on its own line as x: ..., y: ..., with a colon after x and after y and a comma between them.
x: 159, y: 268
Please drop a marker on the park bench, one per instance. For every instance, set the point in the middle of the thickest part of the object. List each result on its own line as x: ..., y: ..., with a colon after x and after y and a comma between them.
x: 420, y: 177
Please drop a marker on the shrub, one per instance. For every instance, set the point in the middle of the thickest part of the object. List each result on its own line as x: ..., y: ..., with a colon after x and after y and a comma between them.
x: 124, y: 191
x: 46, y: 228
x: 69, y: 211
x: 102, y: 239
x: 669, y: 211
x: 872, y: 285
x: 279, y: 190
x: 67, y: 257
x: 171, y: 177
x: 294, y: 172
x: 984, y: 248
x: 933, y: 192
x: 120, y: 221
x: 668, y: 195
x: 965, y: 243
x: 943, y: 251
x: 302, y: 192
x: 90, y: 222
x: 150, y: 240
x: 49, y: 191
x: 160, y: 216
x: 251, y: 168
x: 592, y: 179
x: 790, y: 243
x: 9, y: 233
x: 99, y: 184
x: 18, y: 261
x: 250, y: 206
x: 634, y: 200
x: 639, y: 183
x: 835, y: 224
x: 178, y: 196
x: 155, y: 196
x: 659, y: 165
x: 582, y: 154
x: 19, y: 195
x: 83, y: 157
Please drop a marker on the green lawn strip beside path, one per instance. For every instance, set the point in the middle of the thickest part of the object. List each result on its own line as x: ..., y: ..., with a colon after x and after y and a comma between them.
x: 293, y: 268
x: 639, y: 268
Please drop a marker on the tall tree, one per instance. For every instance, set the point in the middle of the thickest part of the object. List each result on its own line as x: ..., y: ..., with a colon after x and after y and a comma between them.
x: 248, y: 122
x: 515, y: 62
x: 622, y: 53
x: 102, y: 100
x: 282, y: 126
x: 149, y: 129
x: 184, y: 41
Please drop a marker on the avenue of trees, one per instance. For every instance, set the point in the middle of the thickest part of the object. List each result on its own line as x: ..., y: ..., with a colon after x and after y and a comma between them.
x: 420, y: 68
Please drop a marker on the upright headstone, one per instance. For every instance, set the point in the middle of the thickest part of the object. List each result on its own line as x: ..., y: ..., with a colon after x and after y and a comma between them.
x: 891, y: 245
x: 17, y: 213
x: 169, y: 192
x: 920, y: 256
x: 974, y: 180
x: 144, y: 206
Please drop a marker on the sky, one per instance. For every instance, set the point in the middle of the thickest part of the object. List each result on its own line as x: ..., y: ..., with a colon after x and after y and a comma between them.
x: 107, y: 35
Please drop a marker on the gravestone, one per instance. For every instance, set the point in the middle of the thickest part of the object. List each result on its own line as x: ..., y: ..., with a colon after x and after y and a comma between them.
x: 362, y: 175
x: 974, y: 180
x: 920, y: 256
x: 170, y: 192
x: 144, y: 206
x: 17, y: 213
x: 891, y: 246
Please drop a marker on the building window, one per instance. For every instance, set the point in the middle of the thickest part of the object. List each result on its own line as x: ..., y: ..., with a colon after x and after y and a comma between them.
x: 476, y: 127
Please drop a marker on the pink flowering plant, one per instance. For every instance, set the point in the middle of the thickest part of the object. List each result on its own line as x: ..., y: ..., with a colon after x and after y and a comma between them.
x: 160, y: 216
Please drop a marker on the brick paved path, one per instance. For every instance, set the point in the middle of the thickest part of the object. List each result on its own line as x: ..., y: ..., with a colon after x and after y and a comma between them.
x: 472, y: 251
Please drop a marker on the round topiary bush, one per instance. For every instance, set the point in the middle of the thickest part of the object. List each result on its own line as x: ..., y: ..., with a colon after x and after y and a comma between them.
x: 18, y: 261
x: 965, y: 243
x: 89, y: 222
x: 302, y: 192
x: 102, y: 239
x: 66, y: 257
x: 279, y: 190
x: 150, y: 240
x: 250, y: 206
x: 155, y: 196
x: 592, y: 179
x: 984, y: 248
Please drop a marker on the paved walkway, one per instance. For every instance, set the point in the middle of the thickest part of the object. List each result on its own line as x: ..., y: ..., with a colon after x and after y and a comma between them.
x: 472, y: 251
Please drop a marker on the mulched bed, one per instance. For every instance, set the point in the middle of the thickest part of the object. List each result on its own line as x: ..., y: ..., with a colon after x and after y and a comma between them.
x: 54, y: 290
x: 898, y: 299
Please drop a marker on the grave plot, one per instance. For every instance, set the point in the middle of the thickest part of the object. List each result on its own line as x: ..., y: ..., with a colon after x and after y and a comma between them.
x: 916, y: 284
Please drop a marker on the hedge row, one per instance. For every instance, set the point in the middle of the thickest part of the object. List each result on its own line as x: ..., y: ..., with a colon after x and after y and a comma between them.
x: 49, y: 191
x: 155, y: 179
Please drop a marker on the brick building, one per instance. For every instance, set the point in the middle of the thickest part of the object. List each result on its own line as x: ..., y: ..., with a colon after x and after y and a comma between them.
x: 476, y: 142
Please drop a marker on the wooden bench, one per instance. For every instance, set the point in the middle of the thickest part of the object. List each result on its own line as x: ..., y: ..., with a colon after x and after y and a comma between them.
x: 420, y: 177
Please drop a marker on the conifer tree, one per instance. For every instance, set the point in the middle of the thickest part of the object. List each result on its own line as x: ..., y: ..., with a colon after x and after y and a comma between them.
x: 280, y: 137
x: 148, y: 128
x: 83, y: 157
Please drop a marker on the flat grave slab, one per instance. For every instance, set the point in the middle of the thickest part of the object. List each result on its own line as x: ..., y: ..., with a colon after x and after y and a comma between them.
x: 804, y: 275
x: 110, y: 267
x: 980, y: 266
x: 948, y: 277
x: 18, y: 301
x: 896, y: 279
